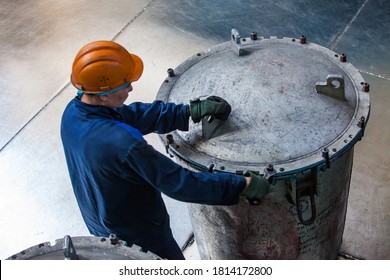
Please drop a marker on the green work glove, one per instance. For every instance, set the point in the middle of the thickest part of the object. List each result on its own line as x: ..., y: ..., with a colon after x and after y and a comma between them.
x: 214, y: 106
x: 257, y: 188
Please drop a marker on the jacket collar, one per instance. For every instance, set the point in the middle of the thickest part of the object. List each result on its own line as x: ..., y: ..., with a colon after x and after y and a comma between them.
x: 97, y: 110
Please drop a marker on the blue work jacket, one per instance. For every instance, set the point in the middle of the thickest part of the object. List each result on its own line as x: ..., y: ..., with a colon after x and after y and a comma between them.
x: 118, y: 178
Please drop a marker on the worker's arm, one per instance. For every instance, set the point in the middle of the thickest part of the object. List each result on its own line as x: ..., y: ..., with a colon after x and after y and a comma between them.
x: 163, y: 117
x: 156, y: 117
x: 185, y: 185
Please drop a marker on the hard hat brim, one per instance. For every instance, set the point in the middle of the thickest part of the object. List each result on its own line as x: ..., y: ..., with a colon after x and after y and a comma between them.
x: 138, y: 69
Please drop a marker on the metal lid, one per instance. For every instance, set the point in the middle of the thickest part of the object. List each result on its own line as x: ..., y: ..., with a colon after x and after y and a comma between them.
x: 85, y: 248
x: 295, y: 105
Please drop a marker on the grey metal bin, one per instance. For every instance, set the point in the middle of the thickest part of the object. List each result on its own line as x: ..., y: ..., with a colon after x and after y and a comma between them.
x: 298, y: 109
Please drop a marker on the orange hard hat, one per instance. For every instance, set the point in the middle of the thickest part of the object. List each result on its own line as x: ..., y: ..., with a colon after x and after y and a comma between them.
x: 104, y: 65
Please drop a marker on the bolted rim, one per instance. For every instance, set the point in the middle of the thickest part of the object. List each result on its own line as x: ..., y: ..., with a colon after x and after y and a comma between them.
x: 280, y: 62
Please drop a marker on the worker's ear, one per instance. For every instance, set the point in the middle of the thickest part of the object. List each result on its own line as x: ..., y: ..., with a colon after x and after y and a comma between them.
x: 103, y: 98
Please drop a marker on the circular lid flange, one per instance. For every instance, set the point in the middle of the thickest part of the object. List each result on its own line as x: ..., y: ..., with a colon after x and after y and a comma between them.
x: 278, y: 116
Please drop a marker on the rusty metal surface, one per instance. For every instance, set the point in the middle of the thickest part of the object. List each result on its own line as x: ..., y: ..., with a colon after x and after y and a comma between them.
x: 272, y: 230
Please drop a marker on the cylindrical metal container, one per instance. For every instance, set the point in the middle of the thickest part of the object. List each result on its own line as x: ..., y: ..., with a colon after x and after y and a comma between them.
x: 297, y: 111
x: 85, y: 248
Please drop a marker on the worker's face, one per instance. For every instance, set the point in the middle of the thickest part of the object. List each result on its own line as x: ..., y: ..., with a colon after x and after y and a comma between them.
x: 116, y: 99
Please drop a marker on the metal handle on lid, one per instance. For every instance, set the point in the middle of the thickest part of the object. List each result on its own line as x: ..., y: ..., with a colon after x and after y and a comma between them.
x: 333, y: 87
x: 69, y: 250
x: 236, y: 42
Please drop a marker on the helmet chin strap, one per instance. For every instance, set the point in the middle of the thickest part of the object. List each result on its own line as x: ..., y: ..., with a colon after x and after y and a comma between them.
x: 80, y: 93
x: 125, y: 85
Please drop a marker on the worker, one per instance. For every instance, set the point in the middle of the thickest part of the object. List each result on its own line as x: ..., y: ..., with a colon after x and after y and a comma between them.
x: 117, y: 177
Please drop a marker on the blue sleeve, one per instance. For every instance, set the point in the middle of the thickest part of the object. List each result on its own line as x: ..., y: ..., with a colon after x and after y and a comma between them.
x: 156, y: 117
x: 180, y: 183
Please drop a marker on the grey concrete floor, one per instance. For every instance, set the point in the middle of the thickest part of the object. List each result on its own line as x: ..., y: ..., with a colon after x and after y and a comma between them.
x: 39, y: 40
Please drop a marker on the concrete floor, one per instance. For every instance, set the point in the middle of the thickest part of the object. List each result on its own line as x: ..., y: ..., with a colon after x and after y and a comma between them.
x: 39, y: 40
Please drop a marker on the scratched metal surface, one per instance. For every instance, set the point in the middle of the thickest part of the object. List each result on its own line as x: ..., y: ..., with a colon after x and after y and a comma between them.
x: 277, y: 116
x: 38, y: 42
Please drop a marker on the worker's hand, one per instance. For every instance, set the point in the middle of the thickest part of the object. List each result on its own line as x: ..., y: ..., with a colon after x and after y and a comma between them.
x: 256, y: 189
x: 214, y: 106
